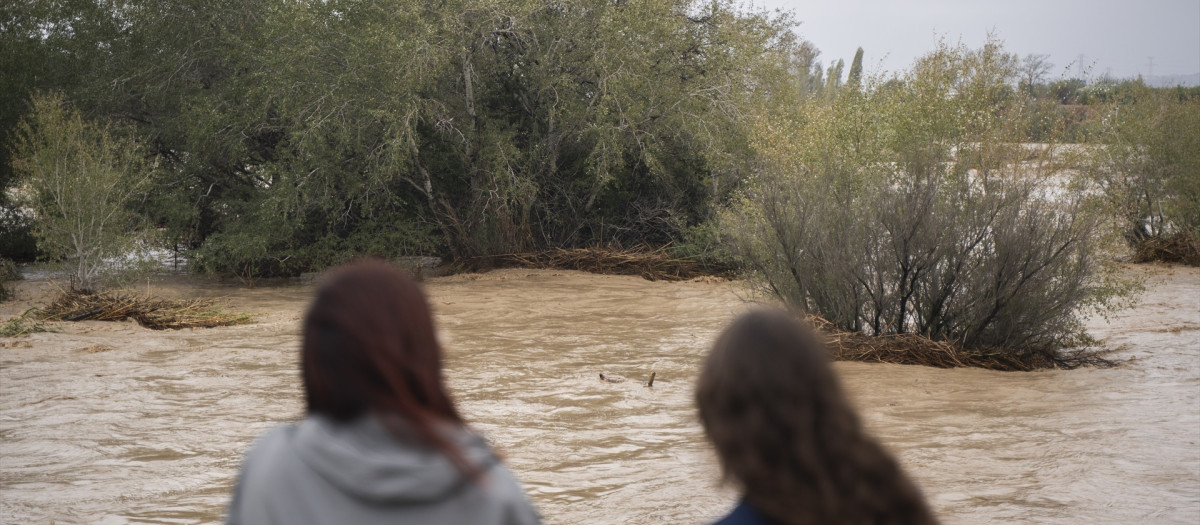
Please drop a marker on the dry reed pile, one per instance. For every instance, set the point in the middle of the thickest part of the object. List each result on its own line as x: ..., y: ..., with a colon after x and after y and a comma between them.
x: 651, y: 264
x: 150, y: 312
x: 1180, y: 247
x: 913, y: 349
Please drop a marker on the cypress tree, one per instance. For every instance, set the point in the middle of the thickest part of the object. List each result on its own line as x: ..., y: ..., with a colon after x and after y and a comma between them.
x: 855, y: 78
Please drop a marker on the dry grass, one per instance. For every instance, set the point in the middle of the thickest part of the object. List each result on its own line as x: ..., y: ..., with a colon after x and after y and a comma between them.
x: 150, y: 312
x: 649, y: 263
x: 913, y: 349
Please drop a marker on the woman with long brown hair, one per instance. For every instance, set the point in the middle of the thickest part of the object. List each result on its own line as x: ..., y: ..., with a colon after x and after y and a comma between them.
x: 382, y: 441
x: 788, y: 437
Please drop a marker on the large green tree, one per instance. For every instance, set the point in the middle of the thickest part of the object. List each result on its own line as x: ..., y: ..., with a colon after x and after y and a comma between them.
x: 294, y: 134
x: 43, y: 45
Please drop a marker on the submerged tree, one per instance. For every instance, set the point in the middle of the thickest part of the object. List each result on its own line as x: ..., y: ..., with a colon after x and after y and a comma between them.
x: 79, y: 178
x: 916, y: 210
x: 1147, y: 164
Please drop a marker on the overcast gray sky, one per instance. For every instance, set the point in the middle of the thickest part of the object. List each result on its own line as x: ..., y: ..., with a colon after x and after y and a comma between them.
x: 1114, y: 36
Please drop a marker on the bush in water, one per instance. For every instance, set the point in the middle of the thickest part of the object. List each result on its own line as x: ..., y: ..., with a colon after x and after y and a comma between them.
x: 79, y: 179
x: 917, y: 209
x: 1147, y: 165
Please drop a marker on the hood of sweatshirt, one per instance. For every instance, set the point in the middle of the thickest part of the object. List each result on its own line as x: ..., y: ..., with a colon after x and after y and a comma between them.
x: 366, y: 460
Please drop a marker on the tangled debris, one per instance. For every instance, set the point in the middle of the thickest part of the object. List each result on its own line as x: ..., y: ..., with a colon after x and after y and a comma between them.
x: 1179, y: 247
x: 651, y: 264
x: 150, y: 312
x: 913, y: 349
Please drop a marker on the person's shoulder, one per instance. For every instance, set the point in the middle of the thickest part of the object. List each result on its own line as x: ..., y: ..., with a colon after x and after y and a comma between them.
x: 744, y: 514
x: 503, y: 484
x: 503, y: 488
x: 274, y: 434
x: 270, y: 440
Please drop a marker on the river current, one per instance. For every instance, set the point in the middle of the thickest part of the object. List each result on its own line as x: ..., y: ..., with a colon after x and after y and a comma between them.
x: 151, y: 426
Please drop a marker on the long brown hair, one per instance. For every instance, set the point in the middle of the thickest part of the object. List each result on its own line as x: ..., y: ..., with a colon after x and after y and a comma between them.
x: 369, y: 346
x: 787, y: 435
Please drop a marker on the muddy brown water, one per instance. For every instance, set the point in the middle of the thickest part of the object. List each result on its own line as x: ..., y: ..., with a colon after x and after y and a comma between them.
x: 153, y: 430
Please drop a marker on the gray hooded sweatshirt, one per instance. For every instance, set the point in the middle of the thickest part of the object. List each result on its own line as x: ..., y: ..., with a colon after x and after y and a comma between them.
x: 321, y: 472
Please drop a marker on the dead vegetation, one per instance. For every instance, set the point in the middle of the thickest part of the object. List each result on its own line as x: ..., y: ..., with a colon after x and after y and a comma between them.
x: 1179, y: 247
x: 913, y: 349
x: 654, y: 264
x: 151, y: 312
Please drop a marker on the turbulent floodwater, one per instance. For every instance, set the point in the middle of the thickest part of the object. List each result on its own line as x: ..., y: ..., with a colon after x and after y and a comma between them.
x: 152, y: 431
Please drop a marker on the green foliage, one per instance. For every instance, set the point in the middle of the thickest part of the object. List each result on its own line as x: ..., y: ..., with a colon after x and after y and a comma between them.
x: 45, y: 46
x: 78, y: 178
x: 917, y: 208
x: 854, y: 78
x: 9, y: 271
x: 24, y: 324
x: 290, y: 136
x: 1146, y: 161
x: 1067, y: 91
x: 706, y: 244
x: 291, y: 132
x: 16, y: 234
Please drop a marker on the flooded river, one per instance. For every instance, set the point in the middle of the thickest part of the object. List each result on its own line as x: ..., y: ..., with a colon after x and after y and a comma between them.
x: 153, y: 429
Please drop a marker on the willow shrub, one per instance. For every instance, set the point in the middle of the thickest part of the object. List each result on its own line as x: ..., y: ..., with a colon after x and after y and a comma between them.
x: 1147, y: 166
x: 78, y: 180
x: 290, y: 135
x: 915, y: 207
